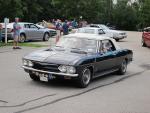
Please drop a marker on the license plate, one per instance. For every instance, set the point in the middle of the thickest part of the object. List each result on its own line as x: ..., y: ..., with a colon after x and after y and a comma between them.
x: 43, y: 77
x: 50, y: 77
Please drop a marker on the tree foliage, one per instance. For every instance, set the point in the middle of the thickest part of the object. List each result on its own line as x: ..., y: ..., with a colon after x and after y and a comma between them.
x: 124, y: 14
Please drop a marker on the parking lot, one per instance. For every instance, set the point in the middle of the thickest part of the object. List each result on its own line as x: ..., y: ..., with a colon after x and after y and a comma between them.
x: 109, y: 94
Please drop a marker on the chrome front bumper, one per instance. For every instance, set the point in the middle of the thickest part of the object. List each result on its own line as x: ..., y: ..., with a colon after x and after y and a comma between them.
x: 48, y: 72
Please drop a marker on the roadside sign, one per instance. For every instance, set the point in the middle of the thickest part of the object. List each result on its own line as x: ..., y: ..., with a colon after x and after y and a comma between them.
x: 6, y: 21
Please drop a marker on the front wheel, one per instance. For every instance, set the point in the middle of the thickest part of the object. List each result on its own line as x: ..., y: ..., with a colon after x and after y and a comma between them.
x: 85, y: 78
x: 46, y: 37
x: 123, y: 68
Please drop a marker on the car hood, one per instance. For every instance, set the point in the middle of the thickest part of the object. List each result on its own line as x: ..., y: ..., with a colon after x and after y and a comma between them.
x: 57, y: 57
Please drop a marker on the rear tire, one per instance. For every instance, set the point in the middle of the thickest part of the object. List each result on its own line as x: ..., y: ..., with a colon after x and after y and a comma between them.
x: 34, y: 77
x: 84, y: 78
x: 123, y: 68
x: 46, y: 37
x: 22, y: 38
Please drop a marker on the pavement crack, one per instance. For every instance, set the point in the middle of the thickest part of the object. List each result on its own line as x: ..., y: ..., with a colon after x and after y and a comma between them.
x: 26, y: 101
x: 81, y: 93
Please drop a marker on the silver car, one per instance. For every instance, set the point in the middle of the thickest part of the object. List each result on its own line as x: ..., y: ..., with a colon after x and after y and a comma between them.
x: 116, y: 34
x: 29, y: 31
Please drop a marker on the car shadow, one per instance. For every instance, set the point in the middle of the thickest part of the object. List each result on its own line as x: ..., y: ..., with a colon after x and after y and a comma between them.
x: 71, y: 83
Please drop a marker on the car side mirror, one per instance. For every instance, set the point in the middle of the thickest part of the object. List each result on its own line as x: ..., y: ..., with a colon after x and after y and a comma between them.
x: 101, y: 32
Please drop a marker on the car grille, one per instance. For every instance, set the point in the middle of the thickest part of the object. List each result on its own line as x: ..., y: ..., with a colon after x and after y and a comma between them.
x: 46, y: 67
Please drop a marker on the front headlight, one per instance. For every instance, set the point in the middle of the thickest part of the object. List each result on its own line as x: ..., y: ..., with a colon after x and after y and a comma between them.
x: 63, y: 68
x: 67, y: 69
x: 30, y: 64
x: 71, y: 70
x: 25, y: 62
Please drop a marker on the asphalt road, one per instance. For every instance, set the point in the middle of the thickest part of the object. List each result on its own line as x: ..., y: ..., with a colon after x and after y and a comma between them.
x: 109, y: 94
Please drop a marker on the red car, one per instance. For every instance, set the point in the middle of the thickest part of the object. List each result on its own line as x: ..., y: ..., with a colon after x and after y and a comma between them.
x: 146, y: 37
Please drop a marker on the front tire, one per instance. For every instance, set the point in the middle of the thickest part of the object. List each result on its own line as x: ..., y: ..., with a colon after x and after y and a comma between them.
x: 123, y: 68
x: 46, y: 37
x: 84, y: 78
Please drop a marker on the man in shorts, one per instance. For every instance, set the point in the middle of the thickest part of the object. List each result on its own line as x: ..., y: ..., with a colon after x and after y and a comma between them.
x: 16, y: 35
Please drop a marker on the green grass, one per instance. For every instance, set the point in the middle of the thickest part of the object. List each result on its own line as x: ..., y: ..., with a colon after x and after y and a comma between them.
x: 25, y: 44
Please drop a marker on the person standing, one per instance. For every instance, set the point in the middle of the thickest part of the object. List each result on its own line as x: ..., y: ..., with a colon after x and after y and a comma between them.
x: 65, y: 28
x: 16, y: 35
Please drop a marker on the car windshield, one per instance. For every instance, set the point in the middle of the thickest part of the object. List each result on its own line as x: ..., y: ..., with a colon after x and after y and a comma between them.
x: 83, y: 30
x: 104, y: 27
x: 77, y: 44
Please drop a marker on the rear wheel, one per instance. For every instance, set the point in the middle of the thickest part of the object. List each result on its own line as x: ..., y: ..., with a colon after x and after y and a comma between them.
x: 123, y: 68
x: 34, y: 77
x: 143, y: 43
x: 46, y: 37
x: 85, y: 78
x: 22, y: 38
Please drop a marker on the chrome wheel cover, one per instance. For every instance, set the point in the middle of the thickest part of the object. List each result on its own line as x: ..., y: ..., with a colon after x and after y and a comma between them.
x: 86, y: 76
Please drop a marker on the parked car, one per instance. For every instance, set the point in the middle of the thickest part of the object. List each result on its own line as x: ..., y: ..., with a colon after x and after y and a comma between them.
x: 78, y: 56
x: 29, y: 31
x: 146, y: 37
x: 93, y: 30
x: 117, y: 35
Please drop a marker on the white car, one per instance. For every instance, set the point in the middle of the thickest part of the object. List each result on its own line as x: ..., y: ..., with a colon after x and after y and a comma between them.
x: 93, y: 30
x: 117, y: 35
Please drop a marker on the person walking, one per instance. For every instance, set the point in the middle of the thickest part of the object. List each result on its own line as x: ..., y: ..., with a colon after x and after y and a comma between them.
x: 1, y: 32
x: 16, y: 35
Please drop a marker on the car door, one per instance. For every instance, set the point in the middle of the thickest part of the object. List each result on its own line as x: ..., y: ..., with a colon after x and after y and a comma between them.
x: 26, y: 31
x: 106, y: 59
x: 34, y: 32
x: 147, y: 36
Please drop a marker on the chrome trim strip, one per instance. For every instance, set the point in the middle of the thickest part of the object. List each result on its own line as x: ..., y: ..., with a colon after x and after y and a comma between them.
x: 56, y: 73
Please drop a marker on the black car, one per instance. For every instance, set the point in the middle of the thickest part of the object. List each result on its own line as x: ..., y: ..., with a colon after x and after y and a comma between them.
x: 78, y: 56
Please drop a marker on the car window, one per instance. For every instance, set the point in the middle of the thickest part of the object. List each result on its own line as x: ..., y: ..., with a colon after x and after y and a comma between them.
x: 26, y: 26
x: 100, y: 31
x: 107, y: 46
x: 32, y: 26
